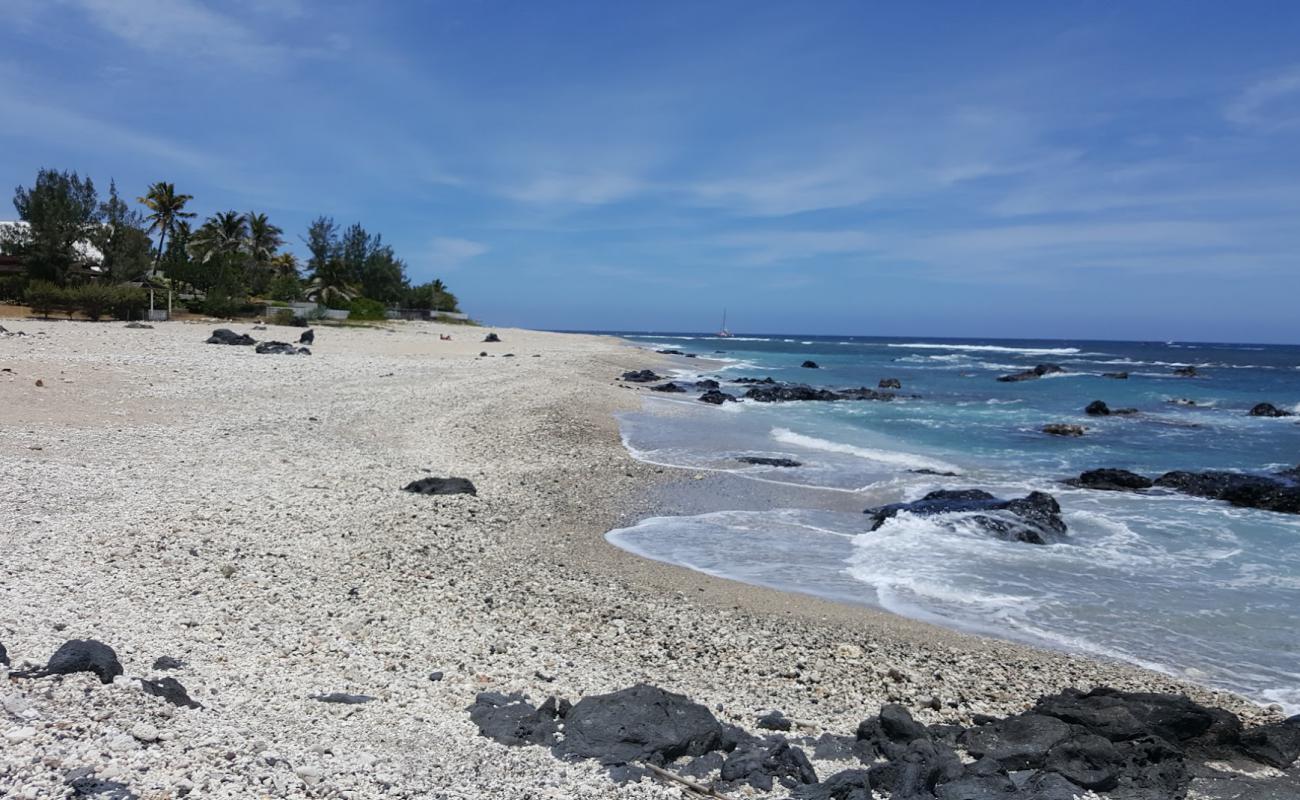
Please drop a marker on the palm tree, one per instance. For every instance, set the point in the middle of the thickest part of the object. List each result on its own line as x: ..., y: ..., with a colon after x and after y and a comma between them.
x: 263, y: 238
x: 220, y: 235
x: 166, y: 208
x: 330, y: 283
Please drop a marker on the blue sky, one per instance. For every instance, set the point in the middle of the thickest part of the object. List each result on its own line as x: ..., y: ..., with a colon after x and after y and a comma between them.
x: 1075, y: 169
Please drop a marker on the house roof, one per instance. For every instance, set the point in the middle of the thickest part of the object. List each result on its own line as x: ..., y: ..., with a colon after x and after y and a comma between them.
x: 84, y: 249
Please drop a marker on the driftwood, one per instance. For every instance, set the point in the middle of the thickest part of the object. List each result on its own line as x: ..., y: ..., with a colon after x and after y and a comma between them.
x: 707, y: 791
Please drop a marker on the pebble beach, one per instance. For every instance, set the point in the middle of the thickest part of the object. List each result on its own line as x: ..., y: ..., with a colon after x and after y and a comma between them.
x: 243, y: 514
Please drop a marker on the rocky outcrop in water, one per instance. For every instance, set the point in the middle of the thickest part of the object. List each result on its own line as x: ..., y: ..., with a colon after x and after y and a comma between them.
x: 641, y: 376
x: 772, y: 392
x: 810, y: 365
x: 1111, y: 480
x: 1063, y: 429
x: 1187, y: 372
x: 1121, y: 745
x: 1098, y: 408
x: 1250, y: 491
x: 1032, y: 374
x: 754, y: 380
x: 670, y: 388
x: 441, y: 486
x: 1269, y: 410
x: 227, y: 336
x: 766, y: 461
x: 890, y: 383
x: 1035, y: 518
x: 717, y: 398
x: 1117, y: 376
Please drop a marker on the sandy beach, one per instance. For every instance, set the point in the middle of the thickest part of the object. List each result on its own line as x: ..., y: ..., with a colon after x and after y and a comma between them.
x: 243, y: 513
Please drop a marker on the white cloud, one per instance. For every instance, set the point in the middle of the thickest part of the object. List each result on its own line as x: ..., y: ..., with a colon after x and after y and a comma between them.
x: 583, y: 188
x: 446, y: 252
x: 1271, y: 104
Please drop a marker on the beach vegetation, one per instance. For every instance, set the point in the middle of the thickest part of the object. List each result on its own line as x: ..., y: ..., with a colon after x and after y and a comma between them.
x: 363, y: 308
x: 166, y: 209
x: 44, y: 297
x: 61, y: 211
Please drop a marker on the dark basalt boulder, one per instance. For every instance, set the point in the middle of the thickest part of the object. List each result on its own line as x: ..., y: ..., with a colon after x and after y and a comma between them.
x: 928, y: 471
x: 1111, y: 480
x: 4, y: 655
x: 917, y: 770
x: 765, y: 461
x: 441, y: 486
x: 1034, y: 519
x: 707, y: 383
x: 642, y: 723
x: 1269, y: 410
x: 167, y: 662
x: 1086, y: 760
x: 170, y: 690
x: 670, y: 387
x: 863, y: 393
x: 1063, y: 429
x: 492, y: 337
x: 1032, y: 374
x: 754, y: 380
x: 79, y: 655
x: 1020, y: 742
x: 281, y: 349
x: 1097, y: 408
x: 810, y: 365
x: 641, y: 376
x: 1186, y: 372
x: 1117, y: 376
x: 849, y: 784
x: 1291, y: 474
x: 762, y: 765
x: 717, y: 398
x: 1121, y: 716
x: 308, y: 337
x: 227, y: 336
x: 894, y: 724
x: 890, y: 383
x: 1249, y: 491
x: 1275, y: 745
x: 514, y: 722
x: 789, y: 392
x: 774, y: 721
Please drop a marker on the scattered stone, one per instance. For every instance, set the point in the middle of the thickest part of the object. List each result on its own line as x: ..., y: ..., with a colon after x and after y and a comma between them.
x: 1063, y: 429
x: 281, y: 349
x: 717, y: 398
x: 1111, y: 480
x: 138, y: 325
x: 1032, y: 374
x: 227, y: 336
x: 39, y: 383
x: 435, y: 676
x: 766, y: 461
x: 167, y: 662
x: 1034, y: 519
x: 441, y: 486
x: 641, y: 376
x: 343, y: 698
x: 810, y: 365
x: 1269, y: 410
x: 144, y: 732
x: 491, y: 337
x: 16, y: 735
x: 762, y: 765
x: 170, y: 690
x: 889, y: 383
x: 774, y: 721
x: 79, y: 655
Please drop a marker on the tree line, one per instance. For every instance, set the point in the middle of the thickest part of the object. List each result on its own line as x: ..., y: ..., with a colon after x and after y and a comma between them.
x: 228, y: 263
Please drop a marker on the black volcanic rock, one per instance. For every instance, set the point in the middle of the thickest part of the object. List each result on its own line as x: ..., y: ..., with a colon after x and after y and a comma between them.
x: 890, y: 383
x: 491, y: 337
x: 754, y: 380
x: 1269, y: 410
x: 1020, y: 742
x: 1118, y: 376
x: 441, y: 486
x: 788, y: 392
x: 641, y: 376
x: 670, y: 387
x: 717, y: 398
x: 1112, y: 480
x: 308, y: 337
x: 1249, y: 491
x: 1032, y: 374
x: 765, y: 461
x: 1034, y: 519
x: 170, y: 690
x: 1063, y: 429
x: 642, y: 723
x: 281, y: 348
x: 1186, y: 372
x: 227, y: 336
x: 810, y: 365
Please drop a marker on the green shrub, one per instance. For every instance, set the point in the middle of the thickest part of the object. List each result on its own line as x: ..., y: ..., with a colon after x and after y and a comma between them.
x: 13, y: 288
x: 92, y: 299
x: 283, y: 316
x: 364, y: 308
x: 130, y: 302
x: 285, y: 287
x: 220, y: 304
x: 44, y: 297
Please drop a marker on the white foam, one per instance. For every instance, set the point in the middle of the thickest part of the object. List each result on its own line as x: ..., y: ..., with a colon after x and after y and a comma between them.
x: 993, y: 348
x: 891, y: 457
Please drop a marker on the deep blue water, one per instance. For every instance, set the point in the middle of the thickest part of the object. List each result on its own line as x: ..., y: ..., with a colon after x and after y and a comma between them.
x: 1193, y: 587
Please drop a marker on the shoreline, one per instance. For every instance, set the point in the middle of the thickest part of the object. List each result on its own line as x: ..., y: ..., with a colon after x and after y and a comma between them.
x: 150, y: 464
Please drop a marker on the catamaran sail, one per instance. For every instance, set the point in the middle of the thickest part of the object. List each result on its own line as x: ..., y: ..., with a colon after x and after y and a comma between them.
x: 723, y: 332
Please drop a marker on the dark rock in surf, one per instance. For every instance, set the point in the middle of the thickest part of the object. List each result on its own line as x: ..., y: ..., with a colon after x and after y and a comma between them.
x: 1186, y: 372
x: 810, y: 365
x: 928, y: 471
x: 1182, y: 401
x: 1063, y: 429
x: 641, y: 376
x: 670, y: 388
x: 789, y: 392
x: 1111, y: 480
x: 863, y: 393
x: 492, y: 338
x: 671, y: 352
x: 1117, y: 376
x: 1269, y: 410
x: 441, y: 486
x: 890, y: 383
x: 227, y: 336
x: 1098, y: 408
x: 717, y: 398
x: 1249, y: 491
x: 281, y: 349
x: 707, y: 383
x: 308, y: 337
x: 765, y: 461
x: 642, y: 723
x: 754, y: 380
x: 1032, y: 374
x: 1034, y: 519
x: 170, y: 690
x: 79, y: 655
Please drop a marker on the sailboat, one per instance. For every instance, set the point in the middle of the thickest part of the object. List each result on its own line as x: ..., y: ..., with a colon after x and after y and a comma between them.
x: 723, y: 333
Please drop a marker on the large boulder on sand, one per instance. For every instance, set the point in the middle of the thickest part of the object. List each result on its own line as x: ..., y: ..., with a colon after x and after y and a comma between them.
x: 79, y: 655
x: 227, y: 336
x: 642, y: 723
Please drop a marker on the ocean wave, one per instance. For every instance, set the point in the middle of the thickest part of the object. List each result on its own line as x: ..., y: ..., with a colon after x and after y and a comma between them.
x: 992, y: 348
x: 891, y: 457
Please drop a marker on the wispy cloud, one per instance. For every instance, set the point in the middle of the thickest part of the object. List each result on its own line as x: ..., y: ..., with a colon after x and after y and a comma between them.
x: 1271, y: 104
x: 448, y: 253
